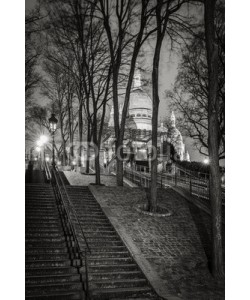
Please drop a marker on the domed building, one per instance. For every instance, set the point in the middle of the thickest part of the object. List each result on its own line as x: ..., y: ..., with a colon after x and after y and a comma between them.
x: 138, y: 131
x: 140, y: 107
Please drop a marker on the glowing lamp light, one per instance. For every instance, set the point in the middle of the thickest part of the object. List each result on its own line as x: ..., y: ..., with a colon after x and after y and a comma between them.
x: 44, y: 139
x: 206, y: 161
x: 53, y: 123
x: 74, y: 162
x: 38, y: 149
x: 47, y: 158
x: 39, y: 143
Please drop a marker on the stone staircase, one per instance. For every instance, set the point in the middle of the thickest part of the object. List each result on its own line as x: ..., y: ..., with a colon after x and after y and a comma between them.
x: 50, y: 273
x: 112, y: 272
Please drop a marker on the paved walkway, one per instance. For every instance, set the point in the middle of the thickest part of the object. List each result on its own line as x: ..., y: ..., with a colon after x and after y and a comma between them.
x: 176, y: 249
x: 76, y: 178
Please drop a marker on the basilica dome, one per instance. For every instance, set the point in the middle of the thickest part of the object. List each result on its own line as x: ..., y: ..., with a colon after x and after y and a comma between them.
x: 140, y: 110
x: 140, y: 100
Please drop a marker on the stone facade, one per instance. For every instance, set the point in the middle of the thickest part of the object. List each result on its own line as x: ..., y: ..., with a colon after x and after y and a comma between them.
x: 138, y: 130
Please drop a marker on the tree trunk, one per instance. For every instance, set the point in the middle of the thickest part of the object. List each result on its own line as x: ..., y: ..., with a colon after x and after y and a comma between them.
x: 88, y: 149
x: 80, y: 129
x: 71, y: 136
x: 119, y: 164
x: 156, y: 101
x: 213, y: 145
x: 153, y: 191
x: 63, y: 143
x: 97, y: 162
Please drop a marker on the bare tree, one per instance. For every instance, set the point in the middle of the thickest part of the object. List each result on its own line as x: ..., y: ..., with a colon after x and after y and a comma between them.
x: 190, y: 94
x: 213, y: 136
x: 163, y: 11
x: 32, y: 53
x: 125, y: 23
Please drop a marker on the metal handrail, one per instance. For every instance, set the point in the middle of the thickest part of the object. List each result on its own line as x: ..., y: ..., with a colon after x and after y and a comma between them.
x: 77, y: 246
x: 196, y: 186
x: 71, y: 206
x: 47, y: 171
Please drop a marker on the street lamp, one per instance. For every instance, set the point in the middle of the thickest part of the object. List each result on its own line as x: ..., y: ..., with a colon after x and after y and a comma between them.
x: 52, y: 125
x: 38, y: 149
x: 206, y: 161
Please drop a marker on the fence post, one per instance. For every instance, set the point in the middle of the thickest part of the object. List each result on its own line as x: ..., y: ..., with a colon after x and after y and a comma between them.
x: 175, y: 177
x: 190, y: 187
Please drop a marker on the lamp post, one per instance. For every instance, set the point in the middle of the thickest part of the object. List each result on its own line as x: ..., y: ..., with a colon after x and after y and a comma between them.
x: 52, y: 124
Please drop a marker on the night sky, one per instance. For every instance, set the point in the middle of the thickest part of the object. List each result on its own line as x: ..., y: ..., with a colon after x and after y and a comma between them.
x: 168, y: 71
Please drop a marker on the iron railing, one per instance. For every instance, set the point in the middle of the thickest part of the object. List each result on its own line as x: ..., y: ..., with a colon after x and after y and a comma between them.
x: 195, y: 186
x: 72, y: 221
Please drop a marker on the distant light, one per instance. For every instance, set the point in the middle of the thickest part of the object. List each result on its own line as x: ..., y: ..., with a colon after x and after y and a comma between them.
x: 74, y: 163
x: 38, y: 149
x: 39, y: 143
x: 44, y: 139
x: 58, y: 163
x: 47, y: 158
x: 206, y: 161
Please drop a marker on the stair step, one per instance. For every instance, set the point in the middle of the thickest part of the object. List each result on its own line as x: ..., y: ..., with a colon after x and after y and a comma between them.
x: 43, y: 230
x: 92, y: 261
x: 103, y: 239
x: 109, y: 254
x: 112, y: 268
x: 50, y: 271
x: 57, y: 295
x: 41, y: 211
x: 108, y: 248
x: 40, y: 204
x: 42, y: 234
x: 118, y: 292
x: 53, y: 287
x: 102, y: 244
x: 47, y: 256
x: 42, y: 218
x: 45, y: 250
x: 47, y: 263
x: 45, y: 239
x: 52, y: 279
x: 115, y: 275
x: 118, y: 283
x: 43, y: 245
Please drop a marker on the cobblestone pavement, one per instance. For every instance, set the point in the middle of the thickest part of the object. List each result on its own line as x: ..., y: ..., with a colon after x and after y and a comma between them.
x: 172, y: 245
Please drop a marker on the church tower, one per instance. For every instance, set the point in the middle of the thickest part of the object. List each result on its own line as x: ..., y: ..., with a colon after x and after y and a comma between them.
x: 172, y: 119
x: 137, y: 78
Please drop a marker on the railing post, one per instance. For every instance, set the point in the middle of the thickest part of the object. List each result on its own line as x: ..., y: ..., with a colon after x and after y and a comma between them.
x: 175, y: 177
x: 190, y: 185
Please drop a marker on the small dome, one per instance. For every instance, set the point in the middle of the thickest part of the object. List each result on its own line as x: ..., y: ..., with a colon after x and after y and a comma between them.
x: 139, y: 100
